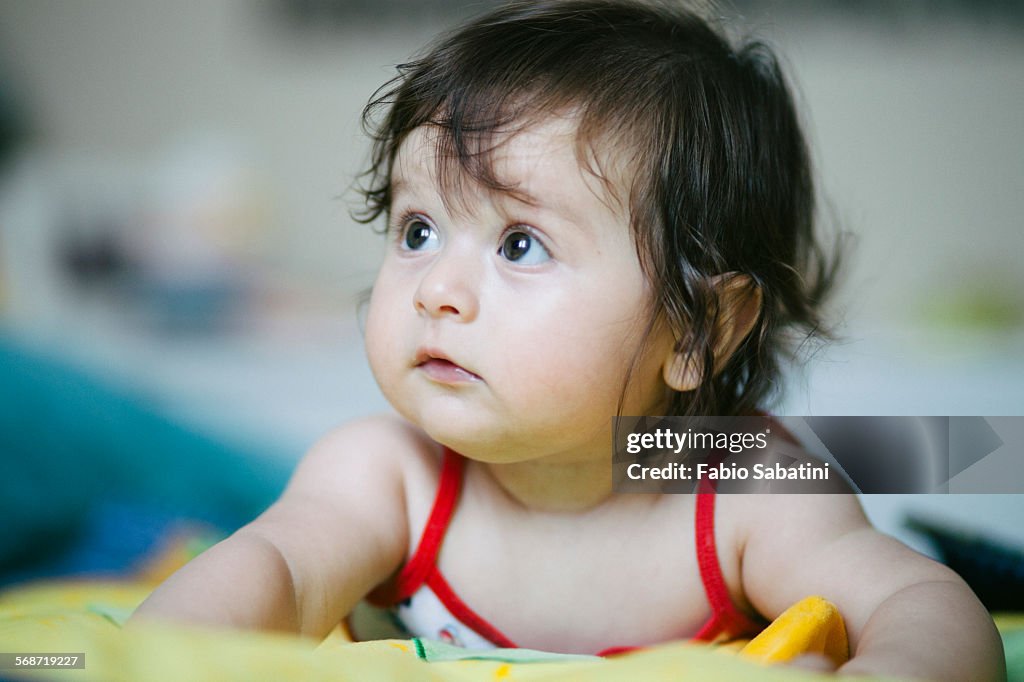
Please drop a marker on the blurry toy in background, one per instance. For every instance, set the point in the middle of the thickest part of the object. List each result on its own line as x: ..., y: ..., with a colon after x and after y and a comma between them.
x: 184, y: 257
x: 986, y: 299
x: 119, y: 540
x: 196, y: 251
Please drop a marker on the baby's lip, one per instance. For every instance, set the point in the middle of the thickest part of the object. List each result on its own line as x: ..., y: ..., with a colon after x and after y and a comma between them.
x: 437, y: 365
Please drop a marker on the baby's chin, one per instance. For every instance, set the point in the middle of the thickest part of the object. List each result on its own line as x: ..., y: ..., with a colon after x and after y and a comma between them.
x: 489, y: 437
x: 485, y: 445
x: 480, y: 447
x: 502, y: 448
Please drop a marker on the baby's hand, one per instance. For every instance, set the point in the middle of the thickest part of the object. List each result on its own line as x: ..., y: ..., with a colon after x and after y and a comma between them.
x: 906, y: 616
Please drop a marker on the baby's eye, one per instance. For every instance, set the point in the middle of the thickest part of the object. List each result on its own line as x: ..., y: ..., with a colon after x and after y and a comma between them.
x: 523, y: 249
x: 419, y: 235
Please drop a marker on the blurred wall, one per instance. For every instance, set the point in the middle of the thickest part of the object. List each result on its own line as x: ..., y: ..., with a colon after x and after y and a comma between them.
x: 917, y: 130
x: 116, y: 83
x: 914, y: 120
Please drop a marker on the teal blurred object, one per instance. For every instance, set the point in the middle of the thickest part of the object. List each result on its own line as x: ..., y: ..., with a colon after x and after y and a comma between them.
x: 70, y: 443
x: 1013, y: 646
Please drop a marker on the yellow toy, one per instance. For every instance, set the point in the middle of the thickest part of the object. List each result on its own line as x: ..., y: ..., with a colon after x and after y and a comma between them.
x: 811, y: 626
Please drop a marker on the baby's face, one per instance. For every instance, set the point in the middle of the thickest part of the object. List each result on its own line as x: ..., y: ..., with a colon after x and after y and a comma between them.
x: 505, y: 325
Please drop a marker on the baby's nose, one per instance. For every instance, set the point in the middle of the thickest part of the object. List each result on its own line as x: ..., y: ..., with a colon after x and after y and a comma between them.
x: 449, y: 289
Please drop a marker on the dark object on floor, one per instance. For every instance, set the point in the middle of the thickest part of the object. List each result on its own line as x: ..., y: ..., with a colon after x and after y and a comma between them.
x: 994, y: 570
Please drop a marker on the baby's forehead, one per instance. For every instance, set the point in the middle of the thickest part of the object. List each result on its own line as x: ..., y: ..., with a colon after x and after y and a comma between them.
x: 542, y: 162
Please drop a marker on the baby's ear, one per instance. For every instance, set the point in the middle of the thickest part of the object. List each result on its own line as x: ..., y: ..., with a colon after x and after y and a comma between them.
x: 739, y: 307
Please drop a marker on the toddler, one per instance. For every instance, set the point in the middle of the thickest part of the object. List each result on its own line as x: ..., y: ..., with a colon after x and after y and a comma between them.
x: 594, y: 208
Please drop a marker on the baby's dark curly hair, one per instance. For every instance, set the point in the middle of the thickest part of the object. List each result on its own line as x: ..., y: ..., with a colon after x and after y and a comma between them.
x: 719, y: 178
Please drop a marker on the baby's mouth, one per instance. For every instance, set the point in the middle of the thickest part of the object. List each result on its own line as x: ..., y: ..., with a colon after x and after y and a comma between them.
x: 443, y: 370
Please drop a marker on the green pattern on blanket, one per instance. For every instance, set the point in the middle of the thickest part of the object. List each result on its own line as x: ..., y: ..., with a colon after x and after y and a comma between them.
x: 434, y: 652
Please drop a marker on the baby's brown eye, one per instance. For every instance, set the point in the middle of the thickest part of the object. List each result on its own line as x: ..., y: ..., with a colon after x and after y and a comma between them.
x: 419, y: 235
x: 522, y: 248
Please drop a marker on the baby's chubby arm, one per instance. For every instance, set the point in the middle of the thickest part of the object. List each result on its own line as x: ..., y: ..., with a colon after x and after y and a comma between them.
x: 337, y: 531
x: 905, y: 614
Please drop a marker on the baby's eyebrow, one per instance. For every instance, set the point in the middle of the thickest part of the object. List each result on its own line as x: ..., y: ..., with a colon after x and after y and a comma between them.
x: 523, y: 197
x: 560, y: 203
x: 560, y: 206
x: 398, y: 185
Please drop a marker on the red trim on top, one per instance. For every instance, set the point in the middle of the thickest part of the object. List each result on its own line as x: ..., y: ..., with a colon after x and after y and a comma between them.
x: 466, y: 615
x: 422, y: 569
x: 616, y: 650
x: 725, y: 617
x: 416, y: 572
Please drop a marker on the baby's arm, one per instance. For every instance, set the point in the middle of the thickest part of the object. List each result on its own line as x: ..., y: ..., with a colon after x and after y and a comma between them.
x: 338, y: 530
x: 905, y: 614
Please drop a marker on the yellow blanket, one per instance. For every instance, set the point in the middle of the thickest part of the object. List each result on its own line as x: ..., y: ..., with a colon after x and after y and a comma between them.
x: 81, y: 617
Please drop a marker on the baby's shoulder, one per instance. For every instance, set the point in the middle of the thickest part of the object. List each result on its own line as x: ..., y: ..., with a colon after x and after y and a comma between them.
x: 382, y: 457
x: 381, y: 465
x: 384, y: 442
x: 783, y: 515
x: 825, y: 514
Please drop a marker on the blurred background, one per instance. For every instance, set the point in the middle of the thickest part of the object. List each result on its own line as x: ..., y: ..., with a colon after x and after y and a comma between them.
x: 180, y: 276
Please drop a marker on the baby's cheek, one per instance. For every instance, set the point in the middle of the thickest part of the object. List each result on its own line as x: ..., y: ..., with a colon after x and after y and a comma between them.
x: 577, y: 382
x: 382, y: 352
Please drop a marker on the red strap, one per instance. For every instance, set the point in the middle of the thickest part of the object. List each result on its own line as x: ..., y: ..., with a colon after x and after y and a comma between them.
x: 415, y: 572
x: 725, y: 617
x: 616, y: 650
x: 466, y: 615
x: 422, y: 567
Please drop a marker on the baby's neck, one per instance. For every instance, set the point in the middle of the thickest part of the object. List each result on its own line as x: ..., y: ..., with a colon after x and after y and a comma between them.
x: 555, y: 487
